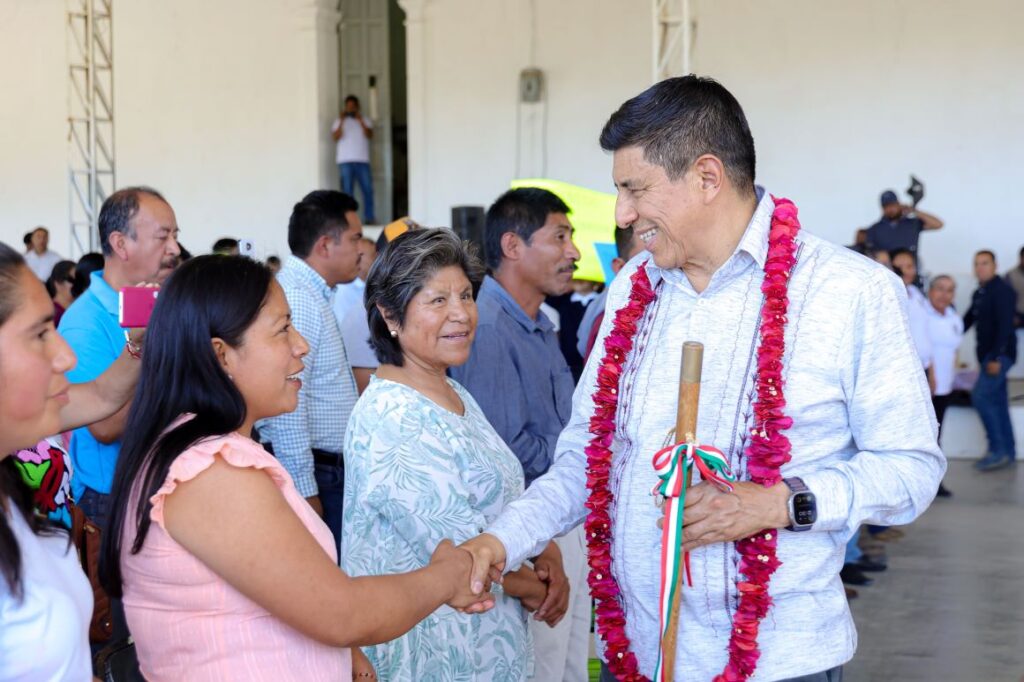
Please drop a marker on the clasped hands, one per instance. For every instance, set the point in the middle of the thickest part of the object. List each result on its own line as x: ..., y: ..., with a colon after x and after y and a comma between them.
x: 543, y: 590
x: 712, y: 515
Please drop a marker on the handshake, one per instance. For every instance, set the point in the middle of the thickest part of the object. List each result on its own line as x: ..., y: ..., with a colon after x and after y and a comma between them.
x: 473, y: 567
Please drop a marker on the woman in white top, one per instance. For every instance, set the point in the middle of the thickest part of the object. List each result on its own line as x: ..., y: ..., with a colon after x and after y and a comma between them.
x: 905, y: 265
x: 946, y: 331
x: 45, y: 599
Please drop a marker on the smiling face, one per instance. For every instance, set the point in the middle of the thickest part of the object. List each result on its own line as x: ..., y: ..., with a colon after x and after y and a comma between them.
x: 440, y: 322
x: 662, y: 212
x: 33, y: 360
x: 267, y: 366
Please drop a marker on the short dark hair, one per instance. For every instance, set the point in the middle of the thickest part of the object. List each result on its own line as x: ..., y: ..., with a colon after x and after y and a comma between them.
x: 986, y: 252
x: 352, y: 98
x: 678, y: 120
x: 118, y: 210
x: 225, y: 244
x: 623, y: 238
x: 901, y: 252
x: 273, y: 260
x: 320, y: 212
x: 61, y: 273
x: 523, y: 211
x: 27, y: 239
x: 399, y: 274
x: 39, y: 227
x: 207, y: 297
x: 87, y: 264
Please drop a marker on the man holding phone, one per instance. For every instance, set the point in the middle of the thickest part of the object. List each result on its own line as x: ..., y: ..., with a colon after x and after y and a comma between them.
x: 352, y: 134
x: 139, y: 236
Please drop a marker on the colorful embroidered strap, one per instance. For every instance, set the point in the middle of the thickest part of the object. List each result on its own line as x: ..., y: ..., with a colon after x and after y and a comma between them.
x: 673, y: 465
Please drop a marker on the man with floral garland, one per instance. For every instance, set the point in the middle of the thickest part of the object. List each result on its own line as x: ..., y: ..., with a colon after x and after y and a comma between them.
x: 811, y: 389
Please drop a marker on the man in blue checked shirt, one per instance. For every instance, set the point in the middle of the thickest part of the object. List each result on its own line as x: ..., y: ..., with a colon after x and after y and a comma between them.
x: 323, y: 234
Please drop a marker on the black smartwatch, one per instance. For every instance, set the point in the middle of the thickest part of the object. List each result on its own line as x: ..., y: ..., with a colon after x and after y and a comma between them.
x: 803, y: 506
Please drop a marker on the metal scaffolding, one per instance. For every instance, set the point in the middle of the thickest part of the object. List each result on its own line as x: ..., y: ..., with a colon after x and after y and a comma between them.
x: 672, y: 37
x: 91, y: 169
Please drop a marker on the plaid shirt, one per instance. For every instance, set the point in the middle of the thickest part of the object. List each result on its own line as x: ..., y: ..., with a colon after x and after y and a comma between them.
x: 328, y: 388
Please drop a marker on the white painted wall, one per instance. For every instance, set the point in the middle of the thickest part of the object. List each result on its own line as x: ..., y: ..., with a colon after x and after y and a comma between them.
x: 33, y: 121
x: 847, y: 99
x: 464, y: 114
x: 223, y: 106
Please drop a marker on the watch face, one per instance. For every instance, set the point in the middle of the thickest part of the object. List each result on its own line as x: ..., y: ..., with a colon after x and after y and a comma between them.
x: 805, y: 509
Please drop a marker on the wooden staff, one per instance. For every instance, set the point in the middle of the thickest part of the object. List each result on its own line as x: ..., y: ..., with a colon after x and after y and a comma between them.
x: 686, y: 432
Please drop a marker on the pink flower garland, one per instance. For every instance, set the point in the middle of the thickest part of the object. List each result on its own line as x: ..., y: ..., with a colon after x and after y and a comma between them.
x: 769, y: 449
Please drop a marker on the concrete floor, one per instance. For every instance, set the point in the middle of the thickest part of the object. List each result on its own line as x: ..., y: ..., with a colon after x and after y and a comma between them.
x: 951, y: 606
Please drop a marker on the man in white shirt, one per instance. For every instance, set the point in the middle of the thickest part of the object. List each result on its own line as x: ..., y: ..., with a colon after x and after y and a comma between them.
x: 351, y: 315
x: 858, y: 421
x: 352, y: 134
x: 39, y: 258
x: 946, y: 331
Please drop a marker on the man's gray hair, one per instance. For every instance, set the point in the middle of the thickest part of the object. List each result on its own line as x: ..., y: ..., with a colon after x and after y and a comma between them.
x: 935, y: 280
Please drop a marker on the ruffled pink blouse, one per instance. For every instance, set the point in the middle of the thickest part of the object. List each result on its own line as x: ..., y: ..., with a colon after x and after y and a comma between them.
x: 188, y: 623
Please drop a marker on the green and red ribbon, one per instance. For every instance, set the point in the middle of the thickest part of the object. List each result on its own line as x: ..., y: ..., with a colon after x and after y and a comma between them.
x: 673, y: 465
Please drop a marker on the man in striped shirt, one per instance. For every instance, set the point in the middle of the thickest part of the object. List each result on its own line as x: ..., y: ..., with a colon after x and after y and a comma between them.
x: 323, y: 235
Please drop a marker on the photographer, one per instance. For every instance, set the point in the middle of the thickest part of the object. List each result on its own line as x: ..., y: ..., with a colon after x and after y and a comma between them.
x: 900, y: 226
x: 352, y: 134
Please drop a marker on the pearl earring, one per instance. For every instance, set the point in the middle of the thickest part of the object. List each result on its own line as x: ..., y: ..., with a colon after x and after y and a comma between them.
x: 394, y: 334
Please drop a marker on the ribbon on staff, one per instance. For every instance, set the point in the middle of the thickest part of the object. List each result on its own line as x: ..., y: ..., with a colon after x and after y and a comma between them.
x: 673, y: 465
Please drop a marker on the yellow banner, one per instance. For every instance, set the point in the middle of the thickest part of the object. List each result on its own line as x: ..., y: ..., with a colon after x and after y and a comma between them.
x: 593, y: 217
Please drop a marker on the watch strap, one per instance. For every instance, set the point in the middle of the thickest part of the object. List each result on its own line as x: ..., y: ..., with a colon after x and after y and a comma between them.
x: 796, y: 486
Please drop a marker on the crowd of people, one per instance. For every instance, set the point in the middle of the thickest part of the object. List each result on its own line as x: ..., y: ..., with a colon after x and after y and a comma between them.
x: 382, y: 461
x: 937, y: 329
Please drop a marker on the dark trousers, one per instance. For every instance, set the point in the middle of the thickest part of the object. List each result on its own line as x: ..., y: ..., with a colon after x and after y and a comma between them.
x: 330, y: 480
x: 329, y: 471
x: 940, y: 403
x: 97, y: 507
x: 833, y: 675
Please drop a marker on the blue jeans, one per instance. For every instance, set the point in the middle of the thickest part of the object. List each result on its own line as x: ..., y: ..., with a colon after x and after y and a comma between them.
x: 353, y: 173
x: 96, y: 506
x: 853, y: 551
x: 330, y: 481
x: 991, y: 401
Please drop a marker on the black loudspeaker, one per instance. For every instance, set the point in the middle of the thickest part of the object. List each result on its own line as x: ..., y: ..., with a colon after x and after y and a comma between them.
x: 468, y: 223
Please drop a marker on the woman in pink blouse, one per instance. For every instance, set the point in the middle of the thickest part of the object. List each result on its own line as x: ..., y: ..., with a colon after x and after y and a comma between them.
x: 225, y: 571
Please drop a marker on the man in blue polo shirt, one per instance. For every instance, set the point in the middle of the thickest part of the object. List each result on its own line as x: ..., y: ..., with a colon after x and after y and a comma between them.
x: 900, y: 226
x: 531, y: 254
x: 139, y: 235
